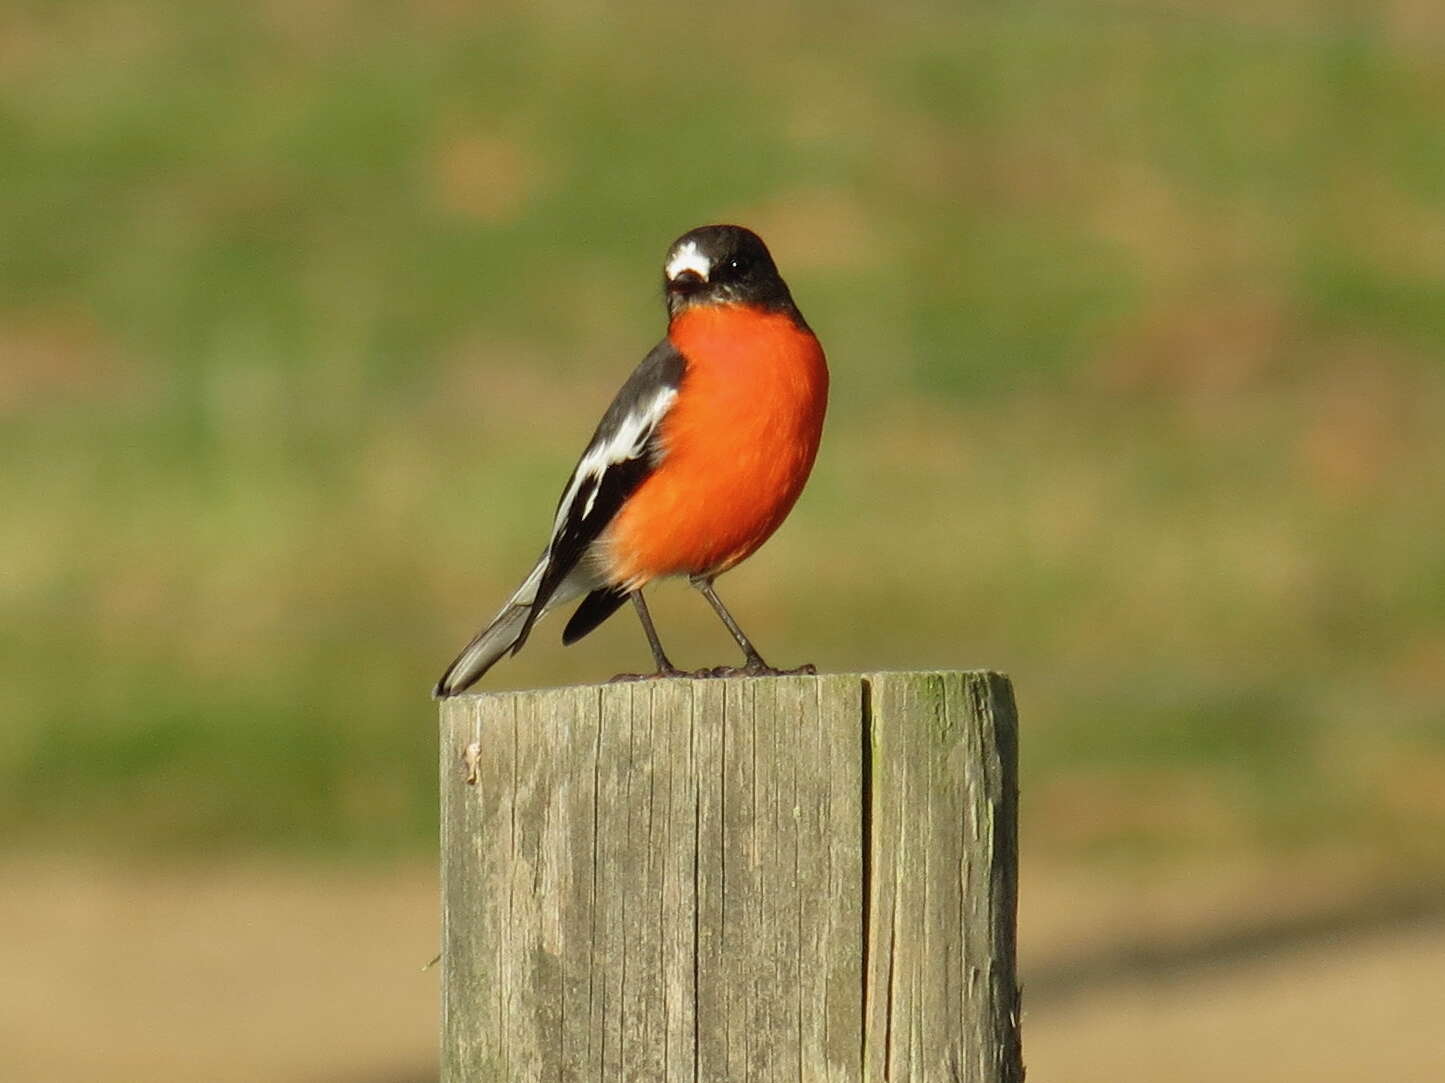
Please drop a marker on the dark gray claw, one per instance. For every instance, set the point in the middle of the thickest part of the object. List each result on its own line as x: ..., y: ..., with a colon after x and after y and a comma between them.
x: 759, y: 668
x: 662, y: 674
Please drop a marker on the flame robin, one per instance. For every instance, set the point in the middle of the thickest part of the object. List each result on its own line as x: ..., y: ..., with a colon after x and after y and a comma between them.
x: 698, y: 460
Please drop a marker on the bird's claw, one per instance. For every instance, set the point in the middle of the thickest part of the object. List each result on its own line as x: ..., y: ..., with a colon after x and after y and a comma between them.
x: 758, y: 668
x: 660, y: 675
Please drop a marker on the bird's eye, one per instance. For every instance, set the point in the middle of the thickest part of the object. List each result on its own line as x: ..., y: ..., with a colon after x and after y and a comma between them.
x: 734, y: 266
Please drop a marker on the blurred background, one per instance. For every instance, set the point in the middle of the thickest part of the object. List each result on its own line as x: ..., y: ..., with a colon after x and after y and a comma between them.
x: 1136, y: 318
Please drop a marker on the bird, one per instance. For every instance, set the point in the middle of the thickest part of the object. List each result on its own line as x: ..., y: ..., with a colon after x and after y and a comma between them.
x: 697, y: 461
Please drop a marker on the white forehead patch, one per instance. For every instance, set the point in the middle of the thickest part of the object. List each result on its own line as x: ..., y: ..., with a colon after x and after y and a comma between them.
x: 689, y: 257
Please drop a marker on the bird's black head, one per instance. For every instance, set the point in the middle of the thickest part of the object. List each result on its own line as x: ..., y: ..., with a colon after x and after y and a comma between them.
x: 714, y: 265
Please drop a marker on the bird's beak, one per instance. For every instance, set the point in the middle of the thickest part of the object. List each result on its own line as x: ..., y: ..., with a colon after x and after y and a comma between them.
x: 686, y: 282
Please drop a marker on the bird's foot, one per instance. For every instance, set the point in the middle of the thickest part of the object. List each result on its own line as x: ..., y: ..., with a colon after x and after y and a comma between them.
x: 807, y: 669
x: 754, y: 668
x: 711, y: 672
x: 660, y: 675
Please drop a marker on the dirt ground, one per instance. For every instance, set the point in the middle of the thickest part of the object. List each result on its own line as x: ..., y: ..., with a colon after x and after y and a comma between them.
x: 294, y: 973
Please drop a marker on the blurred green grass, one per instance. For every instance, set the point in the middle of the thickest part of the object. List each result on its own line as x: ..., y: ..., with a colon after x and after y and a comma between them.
x: 1136, y: 316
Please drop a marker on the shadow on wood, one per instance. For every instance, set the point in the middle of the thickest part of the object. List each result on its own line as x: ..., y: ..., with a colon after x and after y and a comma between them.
x: 793, y: 878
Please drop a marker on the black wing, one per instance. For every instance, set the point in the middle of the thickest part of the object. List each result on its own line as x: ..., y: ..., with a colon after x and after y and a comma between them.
x: 623, y: 451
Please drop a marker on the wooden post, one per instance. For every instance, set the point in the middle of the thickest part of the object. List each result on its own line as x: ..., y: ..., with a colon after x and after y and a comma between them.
x: 728, y: 881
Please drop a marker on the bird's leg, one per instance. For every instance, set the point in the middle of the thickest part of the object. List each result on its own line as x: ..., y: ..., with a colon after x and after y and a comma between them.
x: 754, y: 659
x: 754, y: 666
x: 665, y: 668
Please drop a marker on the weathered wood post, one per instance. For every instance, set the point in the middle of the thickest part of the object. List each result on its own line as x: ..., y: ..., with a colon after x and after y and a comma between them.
x: 796, y: 878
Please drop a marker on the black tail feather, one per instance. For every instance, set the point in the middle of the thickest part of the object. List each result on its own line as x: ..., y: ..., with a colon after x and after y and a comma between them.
x: 595, y: 608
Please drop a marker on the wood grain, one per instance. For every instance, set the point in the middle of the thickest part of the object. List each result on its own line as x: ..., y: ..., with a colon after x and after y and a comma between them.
x: 728, y: 881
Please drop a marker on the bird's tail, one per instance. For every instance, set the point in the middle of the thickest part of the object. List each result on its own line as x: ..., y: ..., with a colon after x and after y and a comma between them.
x: 493, y: 641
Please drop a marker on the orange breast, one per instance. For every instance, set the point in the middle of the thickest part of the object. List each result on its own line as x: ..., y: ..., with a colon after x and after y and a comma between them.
x: 740, y: 438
